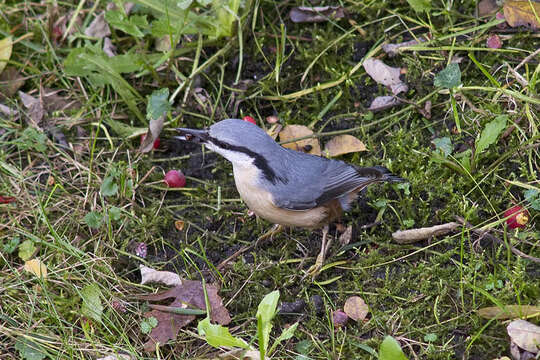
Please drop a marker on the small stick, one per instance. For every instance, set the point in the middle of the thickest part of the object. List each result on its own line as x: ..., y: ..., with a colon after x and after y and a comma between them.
x: 414, y: 235
x: 496, y: 239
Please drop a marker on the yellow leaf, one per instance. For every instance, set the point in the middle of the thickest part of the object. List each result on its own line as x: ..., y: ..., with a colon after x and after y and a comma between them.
x: 356, y: 308
x: 522, y: 13
x: 5, y: 52
x: 509, y: 312
x: 343, y: 144
x: 36, y: 267
x: 291, y: 132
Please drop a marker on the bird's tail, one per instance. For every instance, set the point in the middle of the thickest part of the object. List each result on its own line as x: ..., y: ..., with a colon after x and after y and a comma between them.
x: 380, y: 173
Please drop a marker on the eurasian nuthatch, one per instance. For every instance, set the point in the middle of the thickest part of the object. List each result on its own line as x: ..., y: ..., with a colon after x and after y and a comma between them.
x: 284, y: 186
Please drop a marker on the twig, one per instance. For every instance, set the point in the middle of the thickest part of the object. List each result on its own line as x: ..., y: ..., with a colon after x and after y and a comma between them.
x: 414, y: 235
x: 497, y: 240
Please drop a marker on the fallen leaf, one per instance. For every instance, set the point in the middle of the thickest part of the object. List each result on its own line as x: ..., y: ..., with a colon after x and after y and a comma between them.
x: 345, y: 238
x: 98, y: 28
x: 149, y: 275
x: 35, y: 109
x: 6, y: 46
x: 356, y: 308
x: 36, y: 267
x: 157, y: 107
x: 525, y: 334
x: 383, y: 102
x: 189, y: 294
x: 393, y: 49
x: 291, y: 132
x: 117, y: 357
x: 8, y: 111
x: 509, y: 312
x: 10, y: 82
x: 487, y: 7
x: 494, y: 41
x: 522, y: 13
x: 108, y: 48
x: 92, y: 307
x: 449, y: 77
x: 343, y: 144
x: 385, y: 75
x: 169, y: 325
x: 304, y: 14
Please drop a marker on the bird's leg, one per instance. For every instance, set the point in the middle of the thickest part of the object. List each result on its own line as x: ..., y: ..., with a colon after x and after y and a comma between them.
x: 315, y: 269
x: 277, y: 228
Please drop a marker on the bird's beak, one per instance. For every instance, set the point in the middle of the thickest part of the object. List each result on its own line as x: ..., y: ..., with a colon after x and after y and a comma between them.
x: 192, y: 135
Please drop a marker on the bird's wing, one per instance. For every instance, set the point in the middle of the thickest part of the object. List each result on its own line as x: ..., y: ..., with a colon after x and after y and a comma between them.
x: 333, y: 180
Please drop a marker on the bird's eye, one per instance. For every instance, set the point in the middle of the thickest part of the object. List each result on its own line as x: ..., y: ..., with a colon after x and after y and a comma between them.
x: 189, y: 137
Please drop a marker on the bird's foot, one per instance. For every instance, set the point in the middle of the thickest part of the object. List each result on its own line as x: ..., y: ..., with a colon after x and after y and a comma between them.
x: 269, y: 235
x: 315, y: 269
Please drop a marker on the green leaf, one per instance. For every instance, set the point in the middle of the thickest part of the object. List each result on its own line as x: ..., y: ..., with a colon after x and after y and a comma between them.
x: 11, y: 245
x: 32, y: 139
x: 26, y: 250
x: 490, y: 133
x: 131, y: 25
x: 443, y: 144
x: 532, y: 196
x: 431, y: 337
x: 115, y: 213
x: 409, y: 223
x: 6, y: 47
x: 420, y: 5
x: 217, y: 335
x: 405, y: 186
x: 390, y: 350
x: 109, y: 187
x: 286, y: 334
x: 29, y: 350
x: 91, y: 306
x: 265, y: 313
x: 448, y: 78
x: 158, y: 104
x: 93, y: 219
x: 148, y: 324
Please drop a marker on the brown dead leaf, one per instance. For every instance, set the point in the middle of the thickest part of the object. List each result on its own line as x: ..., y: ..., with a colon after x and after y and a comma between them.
x: 36, y: 267
x: 149, y: 275
x: 98, y: 28
x: 154, y: 129
x: 169, y: 324
x: 189, y: 294
x: 34, y: 108
x: 345, y: 238
x: 356, y: 308
x: 385, y: 75
x: 487, y: 7
x: 525, y: 335
x: 10, y: 82
x: 108, y: 48
x: 179, y: 225
x: 291, y: 132
x: 393, y: 49
x: 509, y: 312
x: 343, y: 144
x: 53, y: 101
x: 383, y: 102
x: 305, y: 14
x: 522, y: 13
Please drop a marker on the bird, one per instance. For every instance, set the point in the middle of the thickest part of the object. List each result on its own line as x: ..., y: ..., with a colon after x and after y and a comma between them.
x: 284, y: 186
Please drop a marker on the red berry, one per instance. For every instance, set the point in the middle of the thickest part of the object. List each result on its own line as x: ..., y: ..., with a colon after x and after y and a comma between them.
x: 517, y: 216
x: 249, y: 119
x: 6, y: 199
x: 175, y: 179
x: 156, y: 142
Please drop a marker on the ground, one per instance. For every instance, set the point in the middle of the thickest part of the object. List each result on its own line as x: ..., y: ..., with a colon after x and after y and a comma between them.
x: 426, y: 295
